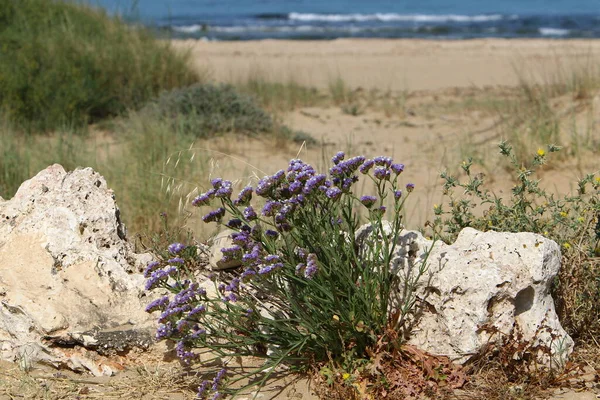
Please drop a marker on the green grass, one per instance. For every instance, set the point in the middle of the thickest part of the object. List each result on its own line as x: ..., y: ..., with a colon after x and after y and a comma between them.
x: 279, y: 96
x: 66, y: 64
x: 205, y: 110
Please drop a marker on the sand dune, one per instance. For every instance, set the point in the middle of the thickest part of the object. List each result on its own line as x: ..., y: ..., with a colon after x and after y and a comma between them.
x: 394, y: 64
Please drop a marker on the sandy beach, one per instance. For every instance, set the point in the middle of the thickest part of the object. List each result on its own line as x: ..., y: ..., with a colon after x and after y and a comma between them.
x: 395, y: 64
x: 450, y: 101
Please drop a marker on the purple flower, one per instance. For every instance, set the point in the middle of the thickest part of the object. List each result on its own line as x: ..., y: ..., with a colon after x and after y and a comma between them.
x: 240, y: 238
x: 234, y: 223
x: 333, y: 193
x: 347, y: 183
x: 352, y: 164
x: 252, y: 257
x: 247, y: 273
x: 204, y: 199
x: 271, y: 234
x: 311, y: 266
x: 232, y: 252
x: 368, y: 201
x: 225, y: 190
x: 195, y: 311
x: 397, y: 194
x: 379, y: 211
x: 313, y: 183
x: 249, y: 213
x: 339, y: 156
x: 336, y: 171
x: 202, y: 389
x: 150, y: 268
x: 278, y: 176
x: 216, y: 182
x: 158, y: 304
x: 244, y: 197
x: 301, y: 252
x: 164, y: 331
x: 300, y: 268
x: 397, y: 168
x: 366, y: 166
x: 383, y: 161
x: 158, y: 276
x: 297, y: 200
x: 183, y: 353
x: 382, y: 173
x: 176, y: 260
x: 264, y: 186
x: 410, y: 187
x: 270, y: 208
x: 272, y: 258
x: 176, y: 248
x: 231, y: 297
x: 296, y: 187
x: 214, y: 216
x: 269, y: 268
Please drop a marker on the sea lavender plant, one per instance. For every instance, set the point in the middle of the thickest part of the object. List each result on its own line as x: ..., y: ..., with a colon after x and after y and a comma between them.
x: 307, y: 290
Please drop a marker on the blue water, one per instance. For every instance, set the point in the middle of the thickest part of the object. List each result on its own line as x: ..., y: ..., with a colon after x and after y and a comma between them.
x: 330, y: 19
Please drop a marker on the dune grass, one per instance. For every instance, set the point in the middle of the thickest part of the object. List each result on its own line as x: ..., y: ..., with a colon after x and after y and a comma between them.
x: 67, y: 64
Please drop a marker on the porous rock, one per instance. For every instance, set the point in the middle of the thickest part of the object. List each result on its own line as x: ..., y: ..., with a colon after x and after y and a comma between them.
x: 65, y: 267
x: 484, y: 282
x: 220, y: 241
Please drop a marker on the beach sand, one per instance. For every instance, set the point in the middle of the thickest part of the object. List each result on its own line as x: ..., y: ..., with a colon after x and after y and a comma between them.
x: 450, y: 104
x: 394, y: 64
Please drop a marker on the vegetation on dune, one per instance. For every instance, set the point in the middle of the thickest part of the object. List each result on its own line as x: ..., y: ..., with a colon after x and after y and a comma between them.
x: 207, y: 109
x: 63, y: 63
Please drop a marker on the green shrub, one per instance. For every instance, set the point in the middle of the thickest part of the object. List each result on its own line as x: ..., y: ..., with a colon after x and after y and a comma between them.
x: 573, y: 221
x: 312, y: 290
x: 207, y: 109
x: 67, y: 64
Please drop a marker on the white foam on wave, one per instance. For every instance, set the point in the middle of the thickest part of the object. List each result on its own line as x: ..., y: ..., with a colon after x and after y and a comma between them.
x: 387, y: 17
x: 188, y: 28
x: 266, y: 28
x: 553, y: 32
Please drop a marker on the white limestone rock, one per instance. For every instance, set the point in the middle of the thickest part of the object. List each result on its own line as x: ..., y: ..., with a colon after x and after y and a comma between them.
x: 495, y: 279
x: 65, y: 265
x: 220, y: 241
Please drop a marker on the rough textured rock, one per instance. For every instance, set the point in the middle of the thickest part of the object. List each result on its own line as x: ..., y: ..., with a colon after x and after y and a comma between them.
x: 221, y: 240
x: 65, y: 266
x: 491, y: 279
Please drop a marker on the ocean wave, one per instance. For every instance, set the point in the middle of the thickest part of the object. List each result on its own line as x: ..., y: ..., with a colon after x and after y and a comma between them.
x: 387, y: 17
x: 266, y: 28
x: 553, y: 31
x: 189, y: 28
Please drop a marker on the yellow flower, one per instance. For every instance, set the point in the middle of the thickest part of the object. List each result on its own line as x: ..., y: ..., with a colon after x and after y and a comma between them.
x: 566, y: 245
x: 345, y: 376
x: 580, y: 219
x: 563, y: 214
x: 541, y: 152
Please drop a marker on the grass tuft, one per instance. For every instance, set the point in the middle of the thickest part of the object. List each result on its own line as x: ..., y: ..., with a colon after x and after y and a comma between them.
x: 66, y: 64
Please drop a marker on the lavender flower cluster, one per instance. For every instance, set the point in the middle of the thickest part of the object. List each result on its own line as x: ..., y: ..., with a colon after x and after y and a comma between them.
x: 181, y: 311
x: 290, y: 196
x: 213, y: 386
x: 288, y: 193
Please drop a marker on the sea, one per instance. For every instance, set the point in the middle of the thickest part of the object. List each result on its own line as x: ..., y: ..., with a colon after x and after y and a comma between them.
x: 332, y: 19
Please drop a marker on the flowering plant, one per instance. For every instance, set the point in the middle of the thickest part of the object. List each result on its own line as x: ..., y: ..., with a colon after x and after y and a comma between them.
x: 308, y: 290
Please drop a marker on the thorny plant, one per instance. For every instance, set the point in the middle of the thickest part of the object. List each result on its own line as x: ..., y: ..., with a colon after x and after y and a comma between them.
x: 573, y: 221
x: 312, y: 288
